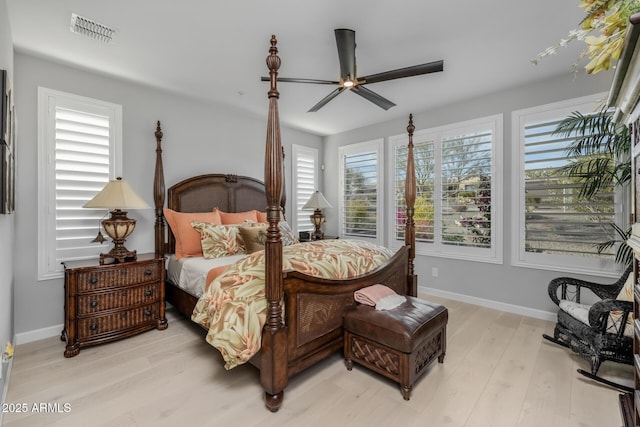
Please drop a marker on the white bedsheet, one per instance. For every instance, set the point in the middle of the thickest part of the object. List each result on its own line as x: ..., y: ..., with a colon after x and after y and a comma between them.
x: 191, y: 273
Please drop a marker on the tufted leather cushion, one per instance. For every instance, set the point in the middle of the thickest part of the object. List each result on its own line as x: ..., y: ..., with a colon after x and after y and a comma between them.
x: 400, y: 328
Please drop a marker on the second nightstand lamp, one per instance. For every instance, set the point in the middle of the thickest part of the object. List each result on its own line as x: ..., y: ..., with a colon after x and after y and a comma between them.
x: 317, y: 202
x: 118, y: 195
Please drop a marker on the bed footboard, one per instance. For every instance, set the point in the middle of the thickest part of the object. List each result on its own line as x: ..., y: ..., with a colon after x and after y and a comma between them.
x: 314, y: 309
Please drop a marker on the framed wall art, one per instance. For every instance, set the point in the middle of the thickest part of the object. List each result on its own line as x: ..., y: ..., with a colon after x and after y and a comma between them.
x: 7, y: 146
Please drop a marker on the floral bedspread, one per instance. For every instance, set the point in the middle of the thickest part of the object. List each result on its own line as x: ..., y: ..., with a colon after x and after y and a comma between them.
x: 233, y: 308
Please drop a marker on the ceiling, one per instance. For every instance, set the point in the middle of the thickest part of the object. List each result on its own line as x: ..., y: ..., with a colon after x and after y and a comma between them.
x: 215, y: 50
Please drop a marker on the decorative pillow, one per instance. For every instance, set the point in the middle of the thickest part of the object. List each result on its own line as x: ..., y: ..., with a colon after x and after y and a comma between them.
x: 288, y: 238
x: 626, y: 293
x: 188, y: 239
x: 253, y: 237
x: 219, y: 240
x: 229, y: 218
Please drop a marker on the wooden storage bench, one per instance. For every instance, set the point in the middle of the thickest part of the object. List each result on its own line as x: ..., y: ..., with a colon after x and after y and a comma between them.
x: 399, y: 343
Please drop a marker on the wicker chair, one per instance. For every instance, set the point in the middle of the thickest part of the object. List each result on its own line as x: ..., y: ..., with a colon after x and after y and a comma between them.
x: 595, y: 332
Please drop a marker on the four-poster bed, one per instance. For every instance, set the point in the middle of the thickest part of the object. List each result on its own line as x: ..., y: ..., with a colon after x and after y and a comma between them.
x: 303, y: 323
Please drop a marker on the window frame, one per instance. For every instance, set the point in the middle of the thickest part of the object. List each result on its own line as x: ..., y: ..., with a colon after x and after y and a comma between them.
x: 553, y: 262
x: 492, y: 254
x: 376, y: 146
x: 296, y: 152
x: 48, y: 101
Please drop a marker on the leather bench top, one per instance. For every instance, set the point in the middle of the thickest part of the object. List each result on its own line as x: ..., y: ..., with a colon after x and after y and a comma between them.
x: 400, y: 328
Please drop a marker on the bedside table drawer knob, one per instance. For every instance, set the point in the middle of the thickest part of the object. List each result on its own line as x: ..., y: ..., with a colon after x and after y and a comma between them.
x: 148, y: 272
x: 93, y: 280
x: 148, y: 293
x: 93, y: 326
x: 148, y: 313
x: 93, y: 304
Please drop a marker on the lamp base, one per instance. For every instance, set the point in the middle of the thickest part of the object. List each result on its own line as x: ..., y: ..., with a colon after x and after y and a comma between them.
x: 118, y: 227
x: 317, y: 219
x: 120, y: 254
x: 317, y: 234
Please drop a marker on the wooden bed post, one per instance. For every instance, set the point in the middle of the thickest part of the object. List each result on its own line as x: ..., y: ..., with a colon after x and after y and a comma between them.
x: 273, y: 362
x: 158, y: 196
x: 410, y: 199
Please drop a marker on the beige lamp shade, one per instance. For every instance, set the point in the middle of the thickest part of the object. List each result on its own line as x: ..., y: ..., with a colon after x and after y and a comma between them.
x: 317, y: 201
x: 117, y: 194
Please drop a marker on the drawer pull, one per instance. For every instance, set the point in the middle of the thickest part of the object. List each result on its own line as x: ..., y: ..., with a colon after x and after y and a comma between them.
x: 123, y: 272
x: 93, y: 280
x: 148, y: 313
x: 148, y: 293
x: 123, y: 315
x: 148, y: 272
x: 93, y: 326
x: 93, y: 304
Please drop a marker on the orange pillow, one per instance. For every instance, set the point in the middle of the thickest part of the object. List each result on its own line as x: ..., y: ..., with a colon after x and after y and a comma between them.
x: 236, y: 217
x: 262, y: 216
x: 188, y: 239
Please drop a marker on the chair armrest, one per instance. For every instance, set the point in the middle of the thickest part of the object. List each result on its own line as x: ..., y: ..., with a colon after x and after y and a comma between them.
x: 569, y: 288
x: 600, y: 311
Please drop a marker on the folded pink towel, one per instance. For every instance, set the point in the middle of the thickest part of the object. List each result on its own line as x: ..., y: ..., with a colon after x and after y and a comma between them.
x: 372, y: 294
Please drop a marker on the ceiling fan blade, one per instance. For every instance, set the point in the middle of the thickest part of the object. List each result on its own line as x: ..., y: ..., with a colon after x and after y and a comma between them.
x: 416, y: 70
x: 370, y: 95
x: 294, y: 80
x: 326, y: 99
x: 346, y: 43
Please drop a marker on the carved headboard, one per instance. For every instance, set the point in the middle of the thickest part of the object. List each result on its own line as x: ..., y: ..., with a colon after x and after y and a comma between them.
x: 202, y: 193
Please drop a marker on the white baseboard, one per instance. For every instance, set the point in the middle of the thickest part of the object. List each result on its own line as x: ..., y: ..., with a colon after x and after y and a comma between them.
x: 38, y: 334
x: 510, y: 308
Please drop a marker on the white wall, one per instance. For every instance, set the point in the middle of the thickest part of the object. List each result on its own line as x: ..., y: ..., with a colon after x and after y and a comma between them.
x: 502, y: 286
x: 7, y: 222
x: 198, y: 138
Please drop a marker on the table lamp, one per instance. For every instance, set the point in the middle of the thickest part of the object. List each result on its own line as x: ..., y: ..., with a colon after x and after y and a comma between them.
x: 317, y: 202
x: 118, y: 195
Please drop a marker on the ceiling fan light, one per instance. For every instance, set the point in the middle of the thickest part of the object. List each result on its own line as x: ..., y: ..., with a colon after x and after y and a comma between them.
x: 348, y: 83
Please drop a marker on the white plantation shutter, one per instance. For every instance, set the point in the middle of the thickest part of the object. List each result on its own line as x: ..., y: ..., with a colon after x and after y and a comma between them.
x: 361, y: 190
x: 305, y: 183
x: 556, y: 221
x: 553, y: 228
x: 79, y: 151
x: 82, y: 170
x: 457, y: 189
x: 466, y: 189
x: 423, y: 154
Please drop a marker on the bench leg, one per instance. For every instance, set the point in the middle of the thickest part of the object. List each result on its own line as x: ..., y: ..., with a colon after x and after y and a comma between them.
x: 349, y: 364
x: 406, y: 392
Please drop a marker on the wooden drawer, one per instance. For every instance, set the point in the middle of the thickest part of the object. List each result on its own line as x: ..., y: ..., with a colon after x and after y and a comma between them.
x: 120, y: 298
x: 118, y: 275
x: 118, y: 321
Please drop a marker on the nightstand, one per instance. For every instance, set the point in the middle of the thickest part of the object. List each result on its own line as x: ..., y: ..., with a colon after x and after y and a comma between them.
x: 325, y: 238
x: 104, y: 303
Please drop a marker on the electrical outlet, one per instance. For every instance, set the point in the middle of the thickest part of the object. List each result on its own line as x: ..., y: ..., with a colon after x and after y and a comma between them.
x: 434, y: 271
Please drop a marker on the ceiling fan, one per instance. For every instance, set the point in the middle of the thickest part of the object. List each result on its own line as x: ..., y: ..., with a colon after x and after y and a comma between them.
x: 349, y: 80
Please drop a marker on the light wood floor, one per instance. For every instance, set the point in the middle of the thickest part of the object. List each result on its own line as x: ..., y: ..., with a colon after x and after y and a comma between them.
x: 498, y: 371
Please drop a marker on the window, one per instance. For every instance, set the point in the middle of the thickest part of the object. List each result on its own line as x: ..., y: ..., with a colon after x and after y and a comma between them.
x: 79, y: 150
x: 458, y: 188
x: 305, y: 182
x: 556, y: 230
x: 361, y: 191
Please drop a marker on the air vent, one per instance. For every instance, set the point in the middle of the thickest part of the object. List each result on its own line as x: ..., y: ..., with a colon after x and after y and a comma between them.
x: 91, y: 28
